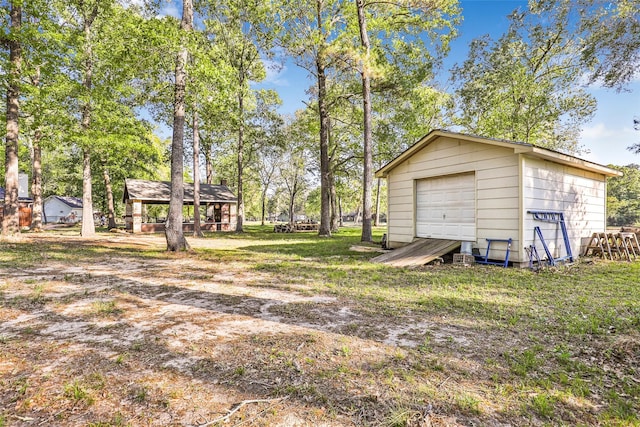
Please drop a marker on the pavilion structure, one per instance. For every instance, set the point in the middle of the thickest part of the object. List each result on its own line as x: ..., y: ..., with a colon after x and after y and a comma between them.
x: 218, y: 201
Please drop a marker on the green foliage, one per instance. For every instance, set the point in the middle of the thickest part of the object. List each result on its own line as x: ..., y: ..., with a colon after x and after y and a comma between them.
x: 533, y: 98
x: 54, y: 57
x: 611, y: 40
x: 523, y: 87
x: 623, y: 196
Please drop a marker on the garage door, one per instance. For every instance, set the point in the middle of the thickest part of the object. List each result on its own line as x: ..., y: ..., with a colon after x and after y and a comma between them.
x: 446, y: 207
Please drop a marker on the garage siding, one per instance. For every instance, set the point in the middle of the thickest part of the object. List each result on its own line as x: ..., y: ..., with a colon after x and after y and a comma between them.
x: 496, y: 188
x: 579, y: 194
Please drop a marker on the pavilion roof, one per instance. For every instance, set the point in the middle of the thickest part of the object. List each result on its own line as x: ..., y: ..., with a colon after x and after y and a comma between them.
x: 159, y: 192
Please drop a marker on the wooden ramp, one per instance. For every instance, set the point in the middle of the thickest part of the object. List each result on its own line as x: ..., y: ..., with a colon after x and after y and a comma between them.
x: 420, y: 252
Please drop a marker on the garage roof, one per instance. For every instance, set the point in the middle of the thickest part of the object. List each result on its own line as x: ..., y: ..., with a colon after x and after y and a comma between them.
x: 518, y: 148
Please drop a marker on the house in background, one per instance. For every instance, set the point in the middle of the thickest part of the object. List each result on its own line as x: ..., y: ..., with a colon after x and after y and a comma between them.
x: 62, y: 209
x: 25, y: 208
x: 25, y: 203
x: 468, y: 189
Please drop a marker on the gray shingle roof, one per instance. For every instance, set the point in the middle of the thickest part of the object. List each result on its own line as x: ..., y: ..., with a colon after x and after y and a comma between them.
x: 157, y: 192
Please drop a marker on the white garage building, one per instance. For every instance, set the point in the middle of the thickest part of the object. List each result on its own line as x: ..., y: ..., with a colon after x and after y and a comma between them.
x: 468, y: 188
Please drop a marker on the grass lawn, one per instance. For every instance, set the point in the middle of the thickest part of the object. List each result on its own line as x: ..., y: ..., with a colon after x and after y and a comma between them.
x: 267, y: 329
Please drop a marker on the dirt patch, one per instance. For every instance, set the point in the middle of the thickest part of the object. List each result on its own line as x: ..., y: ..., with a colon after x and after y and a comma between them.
x: 126, y: 340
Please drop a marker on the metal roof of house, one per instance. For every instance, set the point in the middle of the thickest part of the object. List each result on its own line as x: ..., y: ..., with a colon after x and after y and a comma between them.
x: 518, y: 148
x: 159, y: 192
x: 72, y: 202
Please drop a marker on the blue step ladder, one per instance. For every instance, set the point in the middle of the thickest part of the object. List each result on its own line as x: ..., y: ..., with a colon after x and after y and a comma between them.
x: 557, y: 218
x: 484, y: 259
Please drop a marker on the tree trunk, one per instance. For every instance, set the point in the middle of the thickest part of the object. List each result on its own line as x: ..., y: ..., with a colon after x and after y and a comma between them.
x: 11, y: 218
x: 111, y: 210
x: 240, y: 217
x: 36, y: 182
x: 208, y: 165
x: 340, y: 210
x: 292, y: 204
x: 376, y: 221
x: 325, y: 186
x: 173, y: 227
x: 333, y: 215
x: 263, y: 196
x: 197, y: 230
x: 335, y: 223
x: 367, y: 180
x: 88, y: 226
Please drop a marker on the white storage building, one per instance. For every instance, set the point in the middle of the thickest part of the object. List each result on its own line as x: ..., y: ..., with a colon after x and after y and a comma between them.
x: 469, y: 188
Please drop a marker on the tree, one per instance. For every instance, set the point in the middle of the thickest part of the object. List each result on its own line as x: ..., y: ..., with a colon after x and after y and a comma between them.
x: 523, y: 87
x: 11, y: 218
x: 88, y: 10
x: 268, y: 162
x: 309, y: 32
x: 97, y: 84
x: 342, y: 144
x: 611, y: 44
x: 365, y: 74
x: 173, y: 227
x: 415, y: 18
x: 197, y: 230
x: 122, y: 151
x: 292, y: 174
x: 611, y: 40
x: 269, y: 155
x: 623, y: 196
x: 242, y: 28
x: 635, y: 148
x: 44, y: 109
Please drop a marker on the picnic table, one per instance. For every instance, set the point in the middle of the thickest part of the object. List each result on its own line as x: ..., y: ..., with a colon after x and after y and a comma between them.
x: 307, y: 226
x: 298, y: 226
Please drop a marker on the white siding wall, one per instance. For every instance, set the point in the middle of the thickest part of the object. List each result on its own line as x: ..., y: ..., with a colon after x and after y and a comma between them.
x: 54, y: 209
x: 579, y: 194
x: 497, y: 185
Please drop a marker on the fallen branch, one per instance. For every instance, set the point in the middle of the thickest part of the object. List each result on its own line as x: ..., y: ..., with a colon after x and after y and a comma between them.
x: 237, y: 407
x: 444, y: 382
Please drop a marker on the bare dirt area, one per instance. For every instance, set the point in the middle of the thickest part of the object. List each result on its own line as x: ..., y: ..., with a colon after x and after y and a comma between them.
x: 168, y: 340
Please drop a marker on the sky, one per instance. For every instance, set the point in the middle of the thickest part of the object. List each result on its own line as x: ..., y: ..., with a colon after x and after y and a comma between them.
x: 606, y: 137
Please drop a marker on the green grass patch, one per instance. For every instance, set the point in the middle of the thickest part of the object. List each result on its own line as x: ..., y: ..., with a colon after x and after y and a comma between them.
x: 77, y: 392
x: 105, y: 308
